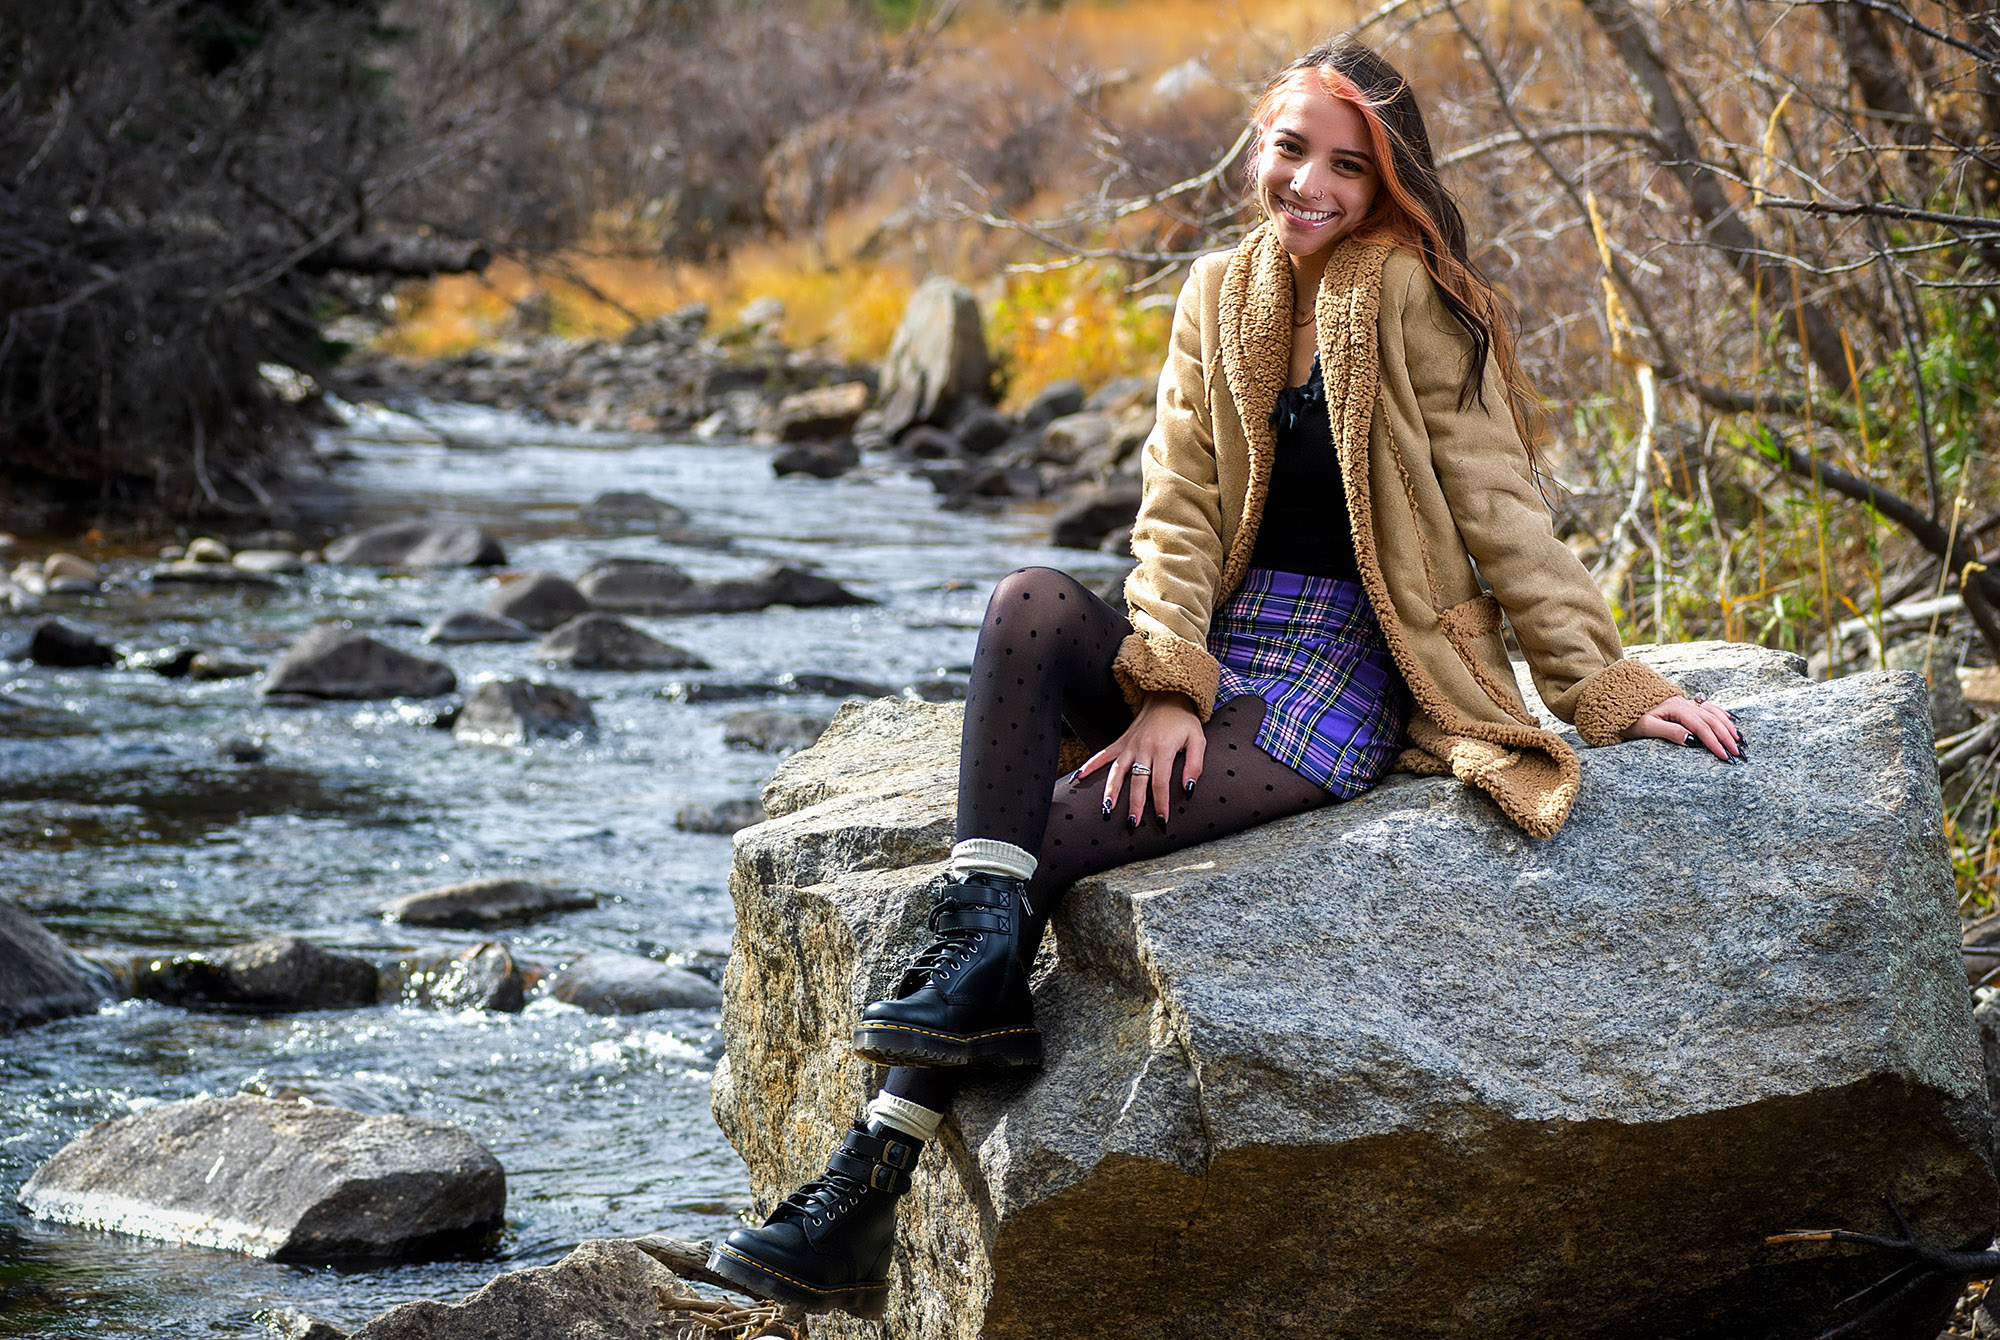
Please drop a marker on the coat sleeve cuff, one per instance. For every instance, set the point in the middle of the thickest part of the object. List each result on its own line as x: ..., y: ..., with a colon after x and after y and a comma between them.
x: 1615, y: 697
x: 1166, y: 664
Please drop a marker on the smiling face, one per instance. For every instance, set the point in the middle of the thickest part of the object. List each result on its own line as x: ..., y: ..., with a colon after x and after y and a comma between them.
x: 1316, y: 173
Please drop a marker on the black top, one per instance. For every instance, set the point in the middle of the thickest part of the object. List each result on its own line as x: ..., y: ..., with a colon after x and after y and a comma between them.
x: 1305, y: 527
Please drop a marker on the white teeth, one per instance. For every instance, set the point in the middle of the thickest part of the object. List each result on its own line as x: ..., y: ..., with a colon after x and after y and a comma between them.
x: 1310, y: 215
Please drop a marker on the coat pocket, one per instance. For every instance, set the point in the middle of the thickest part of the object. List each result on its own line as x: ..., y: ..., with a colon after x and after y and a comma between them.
x: 1470, y: 619
x: 1464, y: 625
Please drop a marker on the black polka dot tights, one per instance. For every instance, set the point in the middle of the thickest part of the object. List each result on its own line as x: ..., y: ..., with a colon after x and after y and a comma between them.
x: 1044, y: 657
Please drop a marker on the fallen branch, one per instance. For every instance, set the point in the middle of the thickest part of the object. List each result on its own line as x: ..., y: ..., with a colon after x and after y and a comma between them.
x: 403, y: 255
x: 1960, y: 750
x: 685, y: 1258
x: 1931, y: 1266
x: 1978, y: 583
x: 741, y: 1321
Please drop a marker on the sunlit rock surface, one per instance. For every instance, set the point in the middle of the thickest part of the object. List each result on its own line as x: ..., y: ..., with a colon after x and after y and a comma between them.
x: 293, y: 1181
x: 604, y: 1290
x: 1394, y: 1069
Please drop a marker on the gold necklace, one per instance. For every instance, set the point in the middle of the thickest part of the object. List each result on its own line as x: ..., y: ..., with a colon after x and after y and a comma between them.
x: 1301, y: 325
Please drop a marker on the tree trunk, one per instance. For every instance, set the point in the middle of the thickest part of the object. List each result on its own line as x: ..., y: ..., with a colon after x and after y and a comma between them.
x: 1722, y: 222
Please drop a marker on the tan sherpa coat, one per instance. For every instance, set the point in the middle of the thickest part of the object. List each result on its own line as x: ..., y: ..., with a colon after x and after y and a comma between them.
x: 1433, y: 487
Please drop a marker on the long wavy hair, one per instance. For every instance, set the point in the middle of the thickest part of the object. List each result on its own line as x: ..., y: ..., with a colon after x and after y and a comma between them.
x: 1412, y: 210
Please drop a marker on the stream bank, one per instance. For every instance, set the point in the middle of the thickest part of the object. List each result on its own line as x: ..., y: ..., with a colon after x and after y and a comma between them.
x: 130, y: 828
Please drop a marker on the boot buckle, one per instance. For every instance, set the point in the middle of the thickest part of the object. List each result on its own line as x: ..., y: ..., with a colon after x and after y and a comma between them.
x: 882, y: 1177
x: 899, y: 1156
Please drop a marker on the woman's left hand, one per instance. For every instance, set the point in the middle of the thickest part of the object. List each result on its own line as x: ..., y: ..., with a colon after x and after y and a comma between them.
x: 1693, y: 721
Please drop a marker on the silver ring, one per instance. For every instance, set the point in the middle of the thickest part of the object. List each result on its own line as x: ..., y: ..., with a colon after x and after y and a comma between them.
x: 1140, y: 769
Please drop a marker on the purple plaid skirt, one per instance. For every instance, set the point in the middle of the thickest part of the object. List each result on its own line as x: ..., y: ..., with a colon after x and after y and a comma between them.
x: 1311, y: 648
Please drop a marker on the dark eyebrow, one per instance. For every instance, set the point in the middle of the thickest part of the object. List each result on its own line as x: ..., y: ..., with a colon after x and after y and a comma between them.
x: 1297, y: 134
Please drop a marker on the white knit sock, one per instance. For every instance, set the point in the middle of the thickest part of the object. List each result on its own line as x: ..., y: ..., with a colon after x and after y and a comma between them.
x: 976, y: 856
x: 912, y: 1119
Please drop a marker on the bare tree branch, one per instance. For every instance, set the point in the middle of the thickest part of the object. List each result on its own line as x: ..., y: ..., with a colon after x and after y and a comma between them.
x: 1552, y: 135
x: 1723, y: 224
x: 1887, y: 209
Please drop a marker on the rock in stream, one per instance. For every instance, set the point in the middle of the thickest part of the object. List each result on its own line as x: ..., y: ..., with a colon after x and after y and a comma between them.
x: 292, y: 1181
x: 480, y: 977
x: 41, y: 978
x: 478, y: 626
x: 516, y: 711
x: 419, y: 544
x: 334, y: 661
x: 607, y: 642
x: 604, y: 1290
x: 498, y: 901
x: 541, y: 600
x: 279, y: 974
x: 605, y: 981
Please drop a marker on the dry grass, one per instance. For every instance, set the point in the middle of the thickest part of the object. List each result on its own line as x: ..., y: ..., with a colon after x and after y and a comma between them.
x: 843, y: 290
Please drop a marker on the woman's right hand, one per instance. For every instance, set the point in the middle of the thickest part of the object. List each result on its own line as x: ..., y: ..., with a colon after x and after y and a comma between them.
x: 1165, y: 730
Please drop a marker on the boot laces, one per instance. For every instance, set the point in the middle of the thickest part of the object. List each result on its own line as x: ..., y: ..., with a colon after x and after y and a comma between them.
x: 948, y: 949
x: 825, y: 1197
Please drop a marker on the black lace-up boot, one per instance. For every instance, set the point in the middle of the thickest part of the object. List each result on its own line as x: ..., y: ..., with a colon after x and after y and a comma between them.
x: 963, y: 1000
x: 828, y: 1244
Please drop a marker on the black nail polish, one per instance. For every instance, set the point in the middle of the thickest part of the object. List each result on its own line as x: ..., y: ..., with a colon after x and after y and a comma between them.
x: 1188, y: 786
x: 1076, y: 776
x: 1107, y: 807
x: 1132, y: 821
x: 1689, y: 738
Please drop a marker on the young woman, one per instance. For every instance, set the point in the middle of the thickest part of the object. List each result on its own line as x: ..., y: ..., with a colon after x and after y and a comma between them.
x: 1339, y: 472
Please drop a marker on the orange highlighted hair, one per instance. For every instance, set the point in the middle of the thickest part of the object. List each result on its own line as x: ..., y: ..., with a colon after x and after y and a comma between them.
x: 1413, y: 210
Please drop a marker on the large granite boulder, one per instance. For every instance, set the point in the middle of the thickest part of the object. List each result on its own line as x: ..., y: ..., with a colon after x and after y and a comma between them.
x: 604, y: 1290
x: 40, y: 977
x: 335, y: 661
x: 1394, y: 1069
x: 419, y: 544
x: 937, y: 355
x: 293, y: 1181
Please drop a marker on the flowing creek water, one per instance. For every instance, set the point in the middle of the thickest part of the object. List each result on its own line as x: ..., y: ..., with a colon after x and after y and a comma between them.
x: 126, y: 832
